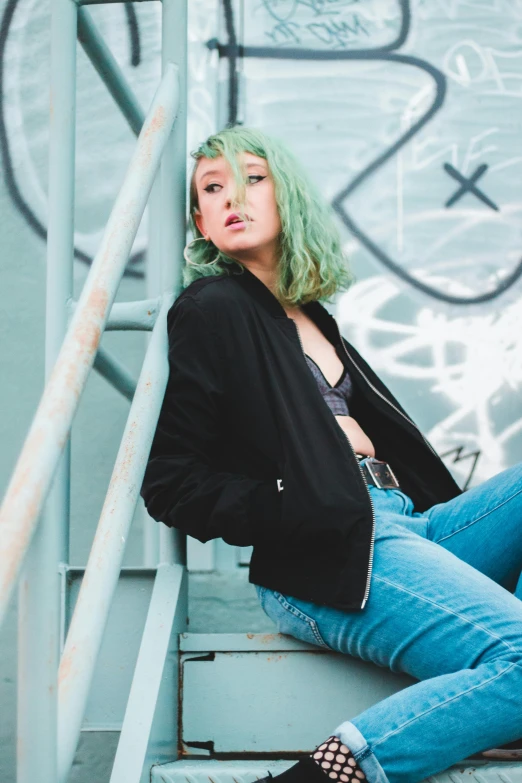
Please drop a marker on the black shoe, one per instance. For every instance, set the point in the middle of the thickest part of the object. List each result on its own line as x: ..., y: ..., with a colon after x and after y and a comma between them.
x: 304, y: 771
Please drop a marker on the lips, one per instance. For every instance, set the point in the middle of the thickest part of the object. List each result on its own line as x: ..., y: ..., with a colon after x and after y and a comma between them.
x: 234, y: 218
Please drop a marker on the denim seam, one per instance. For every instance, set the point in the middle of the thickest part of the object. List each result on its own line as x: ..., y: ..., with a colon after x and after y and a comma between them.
x: 507, y: 500
x: 310, y: 621
x: 363, y: 754
x: 450, y: 611
x: 443, y: 704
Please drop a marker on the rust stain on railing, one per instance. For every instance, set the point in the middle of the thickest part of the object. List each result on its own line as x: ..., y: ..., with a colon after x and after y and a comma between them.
x: 65, y: 666
x: 18, y: 544
x: 157, y: 123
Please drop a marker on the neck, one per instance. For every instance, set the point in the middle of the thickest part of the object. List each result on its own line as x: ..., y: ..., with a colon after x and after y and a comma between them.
x: 267, y: 274
x: 292, y: 312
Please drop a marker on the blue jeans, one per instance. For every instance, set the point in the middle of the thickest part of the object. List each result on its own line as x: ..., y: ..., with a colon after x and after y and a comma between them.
x: 444, y: 606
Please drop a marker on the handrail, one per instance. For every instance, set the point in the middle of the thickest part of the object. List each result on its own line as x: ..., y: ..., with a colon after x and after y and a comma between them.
x: 138, y: 315
x: 35, y: 468
x: 149, y: 733
x: 103, y: 568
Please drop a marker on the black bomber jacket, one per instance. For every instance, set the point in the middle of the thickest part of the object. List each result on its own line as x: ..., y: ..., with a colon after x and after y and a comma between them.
x: 246, y: 448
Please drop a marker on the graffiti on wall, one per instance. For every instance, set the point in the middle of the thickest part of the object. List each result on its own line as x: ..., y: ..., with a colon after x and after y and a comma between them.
x: 104, y: 141
x: 406, y: 114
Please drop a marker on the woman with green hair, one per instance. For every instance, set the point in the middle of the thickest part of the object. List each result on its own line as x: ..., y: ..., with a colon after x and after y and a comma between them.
x: 275, y: 433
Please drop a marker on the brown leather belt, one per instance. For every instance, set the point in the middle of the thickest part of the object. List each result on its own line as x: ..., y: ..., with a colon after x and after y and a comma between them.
x: 378, y: 473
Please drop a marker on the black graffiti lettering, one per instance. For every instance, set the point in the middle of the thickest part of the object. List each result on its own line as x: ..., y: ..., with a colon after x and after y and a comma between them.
x: 283, y: 10
x: 285, y: 32
x: 386, y: 53
x: 459, y: 456
x: 273, y: 6
x: 337, y: 33
x: 467, y: 185
x: 328, y: 7
x: 135, y: 263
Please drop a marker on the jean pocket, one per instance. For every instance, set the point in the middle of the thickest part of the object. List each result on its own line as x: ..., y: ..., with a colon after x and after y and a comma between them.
x: 290, y: 619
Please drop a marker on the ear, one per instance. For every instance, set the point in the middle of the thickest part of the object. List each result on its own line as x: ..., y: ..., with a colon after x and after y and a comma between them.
x: 200, y: 223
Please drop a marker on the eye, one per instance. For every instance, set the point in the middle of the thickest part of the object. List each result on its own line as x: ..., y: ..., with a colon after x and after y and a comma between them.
x: 207, y: 189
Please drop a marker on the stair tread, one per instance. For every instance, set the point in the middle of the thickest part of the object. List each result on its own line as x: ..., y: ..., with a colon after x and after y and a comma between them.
x: 230, y: 771
x: 238, y: 771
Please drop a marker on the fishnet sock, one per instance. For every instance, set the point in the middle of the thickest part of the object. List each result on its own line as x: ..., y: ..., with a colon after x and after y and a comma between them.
x: 337, y: 761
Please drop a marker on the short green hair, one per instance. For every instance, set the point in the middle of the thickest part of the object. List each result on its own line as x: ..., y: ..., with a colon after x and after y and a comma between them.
x: 311, y: 262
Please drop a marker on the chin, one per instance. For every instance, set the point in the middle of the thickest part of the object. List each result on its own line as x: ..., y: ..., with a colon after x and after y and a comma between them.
x: 240, y: 246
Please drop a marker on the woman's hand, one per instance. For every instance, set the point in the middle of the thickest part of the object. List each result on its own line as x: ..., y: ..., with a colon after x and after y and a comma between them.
x: 357, y: 437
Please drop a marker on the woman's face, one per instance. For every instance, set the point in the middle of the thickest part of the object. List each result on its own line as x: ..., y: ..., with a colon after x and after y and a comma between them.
x: 257, y: 239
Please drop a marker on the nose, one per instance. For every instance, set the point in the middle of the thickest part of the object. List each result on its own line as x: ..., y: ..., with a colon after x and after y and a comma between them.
x: 231, y: 196
x: 230, y: 201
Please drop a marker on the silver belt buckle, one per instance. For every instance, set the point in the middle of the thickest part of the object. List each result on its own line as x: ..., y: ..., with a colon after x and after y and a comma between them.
x: 381, y: 473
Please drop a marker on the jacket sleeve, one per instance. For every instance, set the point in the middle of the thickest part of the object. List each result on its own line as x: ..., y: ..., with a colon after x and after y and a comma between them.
x: 182, y: 487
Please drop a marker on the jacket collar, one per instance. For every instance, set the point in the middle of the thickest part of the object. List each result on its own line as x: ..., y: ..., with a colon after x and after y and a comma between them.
x: 263, y: 295
x: 259, y: 291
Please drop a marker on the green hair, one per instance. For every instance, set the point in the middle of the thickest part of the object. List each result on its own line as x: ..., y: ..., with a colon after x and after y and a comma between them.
x: 311, y: 261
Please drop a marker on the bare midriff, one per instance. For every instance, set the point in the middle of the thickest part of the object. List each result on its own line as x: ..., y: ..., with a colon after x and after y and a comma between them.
x: 357, y: 437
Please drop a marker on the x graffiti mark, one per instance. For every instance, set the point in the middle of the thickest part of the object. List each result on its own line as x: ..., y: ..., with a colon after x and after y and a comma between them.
x: 468, y: 185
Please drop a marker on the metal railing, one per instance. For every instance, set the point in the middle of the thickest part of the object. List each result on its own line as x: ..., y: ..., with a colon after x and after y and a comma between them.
x: 34, y: 471
x: 34, y: 516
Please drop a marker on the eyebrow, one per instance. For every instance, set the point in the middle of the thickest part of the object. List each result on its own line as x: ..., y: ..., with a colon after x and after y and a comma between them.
x: 211, y: 172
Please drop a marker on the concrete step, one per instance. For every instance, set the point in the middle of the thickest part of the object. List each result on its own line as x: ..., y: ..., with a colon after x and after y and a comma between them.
x: 212, y: 771
x: 251, y: 693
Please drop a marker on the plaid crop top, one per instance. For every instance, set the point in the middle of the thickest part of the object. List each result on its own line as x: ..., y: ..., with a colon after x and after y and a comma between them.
x: 336, y: 397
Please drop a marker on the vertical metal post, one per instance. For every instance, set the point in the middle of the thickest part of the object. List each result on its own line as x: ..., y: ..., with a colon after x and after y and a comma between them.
x: 173, y: 202
x: 151, y: 528
x: 39, y: 590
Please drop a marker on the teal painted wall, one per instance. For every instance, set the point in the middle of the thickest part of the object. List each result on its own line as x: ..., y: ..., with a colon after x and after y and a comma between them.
x: 397, y: 108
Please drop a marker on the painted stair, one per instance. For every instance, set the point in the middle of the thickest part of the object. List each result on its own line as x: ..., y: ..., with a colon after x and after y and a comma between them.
x: 224, y: 707
x: 195, y: 771
x: 268, y: 695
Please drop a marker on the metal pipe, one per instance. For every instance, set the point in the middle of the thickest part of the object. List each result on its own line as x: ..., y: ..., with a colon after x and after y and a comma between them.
x: 99, y: 2
x: 103, y: 568
x: 151, y: 533
x: 150, y: 727
x: 39, y: 606
x: 50, y: 429
x: 173, y: 201
x: 115, y: 373
x: 137, y: 316
x: 105, y: 63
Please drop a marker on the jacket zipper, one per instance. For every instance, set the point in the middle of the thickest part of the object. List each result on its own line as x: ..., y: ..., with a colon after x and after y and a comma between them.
x: 372, y: 540
x: 382, y: 395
